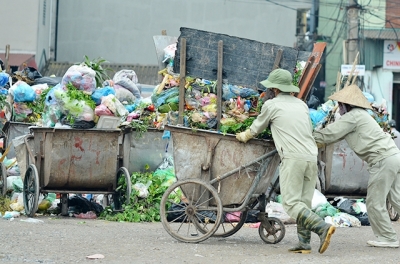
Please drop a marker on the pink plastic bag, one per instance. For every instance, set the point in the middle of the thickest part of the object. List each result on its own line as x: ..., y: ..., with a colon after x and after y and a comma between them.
x: 233, y: 217
x: 88, y: 215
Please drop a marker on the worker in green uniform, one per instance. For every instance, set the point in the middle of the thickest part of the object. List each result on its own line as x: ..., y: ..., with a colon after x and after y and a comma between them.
x: 291, y: 128
x: 371, y: 144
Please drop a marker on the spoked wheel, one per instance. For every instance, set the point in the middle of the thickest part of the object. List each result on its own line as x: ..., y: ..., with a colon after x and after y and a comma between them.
x: 191, y: 210
x: 230, y: 224
x: 123, y: 192
x: 276, y: 234
x: 394, y: 216
x: 31, y: 190
x: 3, y: 179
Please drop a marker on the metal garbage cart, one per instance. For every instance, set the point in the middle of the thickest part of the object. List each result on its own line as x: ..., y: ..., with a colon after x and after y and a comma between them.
x: 10, y: 131
x: 74, y: 161
x: 217, y: 176
x: 343, y: 173
x: 144, y: 149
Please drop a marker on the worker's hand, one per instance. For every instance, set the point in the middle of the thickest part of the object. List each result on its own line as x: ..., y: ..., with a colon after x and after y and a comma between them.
x: 244, y: 136
x: 320, y: 145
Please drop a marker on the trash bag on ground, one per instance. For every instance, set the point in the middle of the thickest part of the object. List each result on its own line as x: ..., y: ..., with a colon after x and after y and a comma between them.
x: 83, y: 205
x: 325, y: 210
x: 343, y: 220
x: 318, y: 199
x: 348, y: 206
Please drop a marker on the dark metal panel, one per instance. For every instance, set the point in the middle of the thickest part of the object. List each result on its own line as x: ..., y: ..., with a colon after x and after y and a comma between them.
x: 373, y: 53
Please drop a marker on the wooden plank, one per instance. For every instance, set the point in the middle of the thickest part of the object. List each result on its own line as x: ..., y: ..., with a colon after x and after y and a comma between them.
x: 246, y: 62
x: 310, y: 72
x: 278, y: 59
x: 182, y: 81
x: 219, y: 81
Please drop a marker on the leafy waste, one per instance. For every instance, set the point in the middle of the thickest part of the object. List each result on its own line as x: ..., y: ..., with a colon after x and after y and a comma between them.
x: 4, y: 204
x: 140, y: 209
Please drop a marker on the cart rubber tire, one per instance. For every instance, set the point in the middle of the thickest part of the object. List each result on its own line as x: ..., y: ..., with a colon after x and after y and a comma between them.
x: 394, y: 216
x: 272, y: 238
x: 31, y: 190
x: 3, y: 179
x: 185, y: 226
x: 117, y: 195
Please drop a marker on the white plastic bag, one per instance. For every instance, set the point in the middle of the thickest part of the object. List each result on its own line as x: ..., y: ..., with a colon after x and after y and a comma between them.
x: 318, y: 199
x: 142, y: 189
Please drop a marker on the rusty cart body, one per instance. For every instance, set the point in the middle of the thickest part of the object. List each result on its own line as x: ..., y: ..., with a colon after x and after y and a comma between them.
x: 73, y: 161
x: 144, y: 150
x: 343, y: 173
x: 218, y: 176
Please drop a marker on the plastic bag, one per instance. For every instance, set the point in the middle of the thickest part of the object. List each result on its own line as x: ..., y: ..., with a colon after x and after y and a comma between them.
x: 4, y: 78
x: 114, y: 105
x: 101, y: 110
x: 318, y: 199
x: 23, y: 92
x: 160, y: 99
x: 123, y: 94
x: 80, y: 76
x: 87, y: 215
x: 276, y: 210
x: 99, y: 93
x: 325, y: 210
x: 343, y: 220
x: 142, y: 189
x: 348, y: 206
x: 128, y: 80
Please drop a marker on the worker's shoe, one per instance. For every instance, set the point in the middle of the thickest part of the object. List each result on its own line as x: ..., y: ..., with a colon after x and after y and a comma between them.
x: 316, y: 224
x: 391, y: 244
x: 303, y: 246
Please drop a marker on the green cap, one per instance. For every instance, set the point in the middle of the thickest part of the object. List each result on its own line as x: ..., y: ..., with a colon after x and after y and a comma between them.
x: 282, y: 80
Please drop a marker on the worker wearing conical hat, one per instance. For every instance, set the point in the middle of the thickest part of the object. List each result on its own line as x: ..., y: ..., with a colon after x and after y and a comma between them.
x: 368, y: 140
x: 291, y: 130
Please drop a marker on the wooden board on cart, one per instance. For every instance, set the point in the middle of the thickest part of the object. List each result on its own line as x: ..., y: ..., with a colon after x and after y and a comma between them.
x: 246, y: 62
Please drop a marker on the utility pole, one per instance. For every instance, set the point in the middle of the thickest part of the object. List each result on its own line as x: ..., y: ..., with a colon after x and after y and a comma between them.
x: 352, y: 31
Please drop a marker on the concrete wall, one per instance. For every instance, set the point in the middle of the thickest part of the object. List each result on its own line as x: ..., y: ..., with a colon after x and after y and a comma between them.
x: 19, y: 24
x: 46, y: 31
x: 122, y: 31
x: 379, y: 83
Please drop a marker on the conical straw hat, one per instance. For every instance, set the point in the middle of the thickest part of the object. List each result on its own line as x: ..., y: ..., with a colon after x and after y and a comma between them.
x: 351, y: 95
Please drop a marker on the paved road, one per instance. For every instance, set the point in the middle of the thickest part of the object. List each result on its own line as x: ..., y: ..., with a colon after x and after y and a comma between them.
x: 70, y: 240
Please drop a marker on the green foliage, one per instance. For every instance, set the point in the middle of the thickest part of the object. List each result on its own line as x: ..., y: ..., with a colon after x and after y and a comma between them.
x: 38, y: 105
x: 140, y: 209
x: 75, y: 94
x: 97, y: 66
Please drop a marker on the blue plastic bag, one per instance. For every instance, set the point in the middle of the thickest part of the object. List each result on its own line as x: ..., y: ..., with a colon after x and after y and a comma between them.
x: 23, y: 92
x: 99, y: 93
x: 4, y: 77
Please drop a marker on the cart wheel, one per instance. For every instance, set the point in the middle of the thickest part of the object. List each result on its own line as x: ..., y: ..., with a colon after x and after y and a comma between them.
x: 122, y: 195
x: 31, y: 190
x: 3, y: 179
x: 191, y: 210
x: 228, y: 226
x: 394, y: 216
x: 277, y: 233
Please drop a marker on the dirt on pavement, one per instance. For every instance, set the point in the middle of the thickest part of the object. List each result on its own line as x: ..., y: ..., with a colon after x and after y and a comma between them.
x: 71, y: 240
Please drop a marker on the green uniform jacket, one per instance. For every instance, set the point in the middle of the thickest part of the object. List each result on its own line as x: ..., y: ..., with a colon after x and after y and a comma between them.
x: 291, y: 127
x: 363, y: 134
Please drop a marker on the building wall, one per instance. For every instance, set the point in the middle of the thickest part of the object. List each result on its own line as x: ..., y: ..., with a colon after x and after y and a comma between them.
x: 46, y: 31
x: 379, y: 83
x: 122, y: 31
x: 19, y: 23
x: 333, y: 22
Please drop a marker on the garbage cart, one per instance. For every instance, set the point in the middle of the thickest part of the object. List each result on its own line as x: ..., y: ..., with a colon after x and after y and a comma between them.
x: 74, y: 161
x: 217, y: 176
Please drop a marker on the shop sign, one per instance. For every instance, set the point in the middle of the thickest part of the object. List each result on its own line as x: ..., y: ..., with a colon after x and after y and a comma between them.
x: 346, y: 69
x: 391, y: 55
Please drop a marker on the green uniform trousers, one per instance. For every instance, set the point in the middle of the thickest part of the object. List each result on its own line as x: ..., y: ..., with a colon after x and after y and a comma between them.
x: 384, y: 181
x: 297, y: 179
